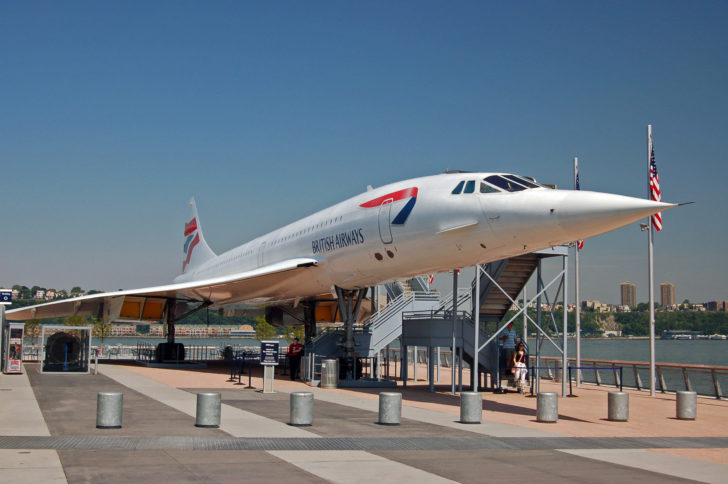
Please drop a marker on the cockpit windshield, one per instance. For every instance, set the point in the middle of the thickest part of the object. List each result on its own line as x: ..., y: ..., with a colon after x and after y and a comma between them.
x: 497, y: 184
x: 510, y: 183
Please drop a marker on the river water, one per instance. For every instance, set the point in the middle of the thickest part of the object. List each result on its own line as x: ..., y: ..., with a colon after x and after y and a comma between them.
x: 702, y: 352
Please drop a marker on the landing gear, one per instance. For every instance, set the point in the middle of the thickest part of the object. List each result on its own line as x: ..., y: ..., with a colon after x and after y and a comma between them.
x: 349, y: 305
x: 172, y: 351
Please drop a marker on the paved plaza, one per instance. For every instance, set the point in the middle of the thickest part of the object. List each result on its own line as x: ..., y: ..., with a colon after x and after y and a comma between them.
x: 48, y: 434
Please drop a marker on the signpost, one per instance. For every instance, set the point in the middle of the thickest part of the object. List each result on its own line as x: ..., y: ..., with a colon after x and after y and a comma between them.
x: 12, y: 337
x: 269, y: 351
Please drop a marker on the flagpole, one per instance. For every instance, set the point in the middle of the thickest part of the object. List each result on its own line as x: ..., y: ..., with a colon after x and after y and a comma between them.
x: 650, y: 260
x: 576, y: 295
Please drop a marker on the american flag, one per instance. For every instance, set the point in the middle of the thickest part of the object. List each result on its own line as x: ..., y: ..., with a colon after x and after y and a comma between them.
x: 577, y: 186
x: 655, y: 190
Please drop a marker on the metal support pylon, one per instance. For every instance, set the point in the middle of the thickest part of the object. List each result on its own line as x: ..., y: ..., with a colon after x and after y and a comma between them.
x: 349, y: 305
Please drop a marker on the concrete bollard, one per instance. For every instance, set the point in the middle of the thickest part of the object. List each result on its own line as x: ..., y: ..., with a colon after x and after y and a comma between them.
x: 471, y: 407
x: 618, y: 406
x: 301, y: 408
x: 547, y: 407
x: 108, y: 410
x: 208, y: 410
x: 390, y: 408
x: 687, y: 405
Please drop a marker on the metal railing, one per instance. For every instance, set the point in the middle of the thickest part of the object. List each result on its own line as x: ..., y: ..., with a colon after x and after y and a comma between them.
x: 707, y: 380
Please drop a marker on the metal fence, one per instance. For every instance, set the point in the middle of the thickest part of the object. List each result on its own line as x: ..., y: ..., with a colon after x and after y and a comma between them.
x: 706, y: 380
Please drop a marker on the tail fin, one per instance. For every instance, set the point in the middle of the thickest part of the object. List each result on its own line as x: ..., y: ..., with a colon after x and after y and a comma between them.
x: 196, y: 250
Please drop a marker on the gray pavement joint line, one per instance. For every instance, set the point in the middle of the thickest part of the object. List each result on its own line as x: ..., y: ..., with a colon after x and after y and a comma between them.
x: 672, y: 465
x: 353, y: 443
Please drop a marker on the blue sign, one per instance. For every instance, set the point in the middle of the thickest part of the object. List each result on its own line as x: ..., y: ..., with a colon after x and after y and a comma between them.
x: 6, y: 297
x: 269, y: 353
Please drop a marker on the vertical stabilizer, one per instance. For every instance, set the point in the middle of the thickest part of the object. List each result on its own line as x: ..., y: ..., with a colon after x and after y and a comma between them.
x: 196, y: 250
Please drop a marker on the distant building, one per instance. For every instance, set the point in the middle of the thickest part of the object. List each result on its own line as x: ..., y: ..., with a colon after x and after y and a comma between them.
x: 667, y: 294
x: 716, y: 305
x: 595, y: 306
x: 629, y: 294
x: 50, y: 295
x: 39, y: 295
x: 246, y: 331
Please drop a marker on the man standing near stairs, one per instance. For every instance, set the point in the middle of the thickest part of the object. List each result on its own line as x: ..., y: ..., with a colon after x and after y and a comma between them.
x: 509, y: 347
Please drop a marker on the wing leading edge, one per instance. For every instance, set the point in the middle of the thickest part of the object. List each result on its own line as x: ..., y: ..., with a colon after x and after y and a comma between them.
x: 148, y: 303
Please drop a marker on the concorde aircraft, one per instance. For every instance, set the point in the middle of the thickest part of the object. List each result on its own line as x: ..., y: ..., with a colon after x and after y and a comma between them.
x: 412, y: 227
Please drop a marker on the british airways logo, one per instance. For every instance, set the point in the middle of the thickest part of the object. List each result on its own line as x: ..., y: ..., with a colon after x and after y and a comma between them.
x: 193, y: 238
x: 401, y: 217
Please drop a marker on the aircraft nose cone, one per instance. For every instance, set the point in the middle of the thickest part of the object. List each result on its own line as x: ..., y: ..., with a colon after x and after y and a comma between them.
x: 584, y: 214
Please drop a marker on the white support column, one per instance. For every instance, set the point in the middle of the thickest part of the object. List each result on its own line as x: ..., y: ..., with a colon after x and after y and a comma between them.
x: 476, y: 333
x: 649, y: 263
x: 565, y: 359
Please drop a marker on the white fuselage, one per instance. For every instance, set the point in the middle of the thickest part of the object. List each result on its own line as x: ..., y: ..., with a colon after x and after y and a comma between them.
x: 419, y: 226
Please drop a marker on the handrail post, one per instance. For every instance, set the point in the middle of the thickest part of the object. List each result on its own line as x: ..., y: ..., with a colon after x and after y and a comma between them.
x: 637, y: 379
x: 716, y: 384
x: 686, y: 377
x: 661, y: 379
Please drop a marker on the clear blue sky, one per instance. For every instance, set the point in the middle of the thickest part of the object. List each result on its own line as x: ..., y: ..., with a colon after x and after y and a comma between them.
x: 112, y: 114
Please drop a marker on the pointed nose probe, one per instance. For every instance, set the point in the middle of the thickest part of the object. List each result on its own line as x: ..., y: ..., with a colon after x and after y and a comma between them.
x: 587, y: 214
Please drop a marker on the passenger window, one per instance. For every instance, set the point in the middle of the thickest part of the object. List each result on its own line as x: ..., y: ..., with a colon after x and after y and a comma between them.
x: 458, y: 189
x: 470, y: 186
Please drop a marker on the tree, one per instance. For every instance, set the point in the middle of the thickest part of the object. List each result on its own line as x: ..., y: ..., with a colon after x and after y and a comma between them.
x: 263, y: 329
x: 32, y: 329
x: 295, y: 332
x: 101, y: 328
x: 76, y: 290
x: 75, y: 321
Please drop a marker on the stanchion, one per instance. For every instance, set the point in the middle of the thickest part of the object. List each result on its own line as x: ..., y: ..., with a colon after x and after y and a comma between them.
x: 250, y: 373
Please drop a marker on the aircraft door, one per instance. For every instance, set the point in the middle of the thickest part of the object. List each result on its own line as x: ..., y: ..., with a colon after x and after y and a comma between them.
x: 261, y: 251
x: 385, y: 227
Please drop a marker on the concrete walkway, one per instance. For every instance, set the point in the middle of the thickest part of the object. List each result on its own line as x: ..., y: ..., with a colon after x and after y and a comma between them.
x: 159, y: 442
x: 21, y: 416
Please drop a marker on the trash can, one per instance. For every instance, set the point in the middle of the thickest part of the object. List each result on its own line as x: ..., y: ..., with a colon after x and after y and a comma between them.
x: 330, y: 373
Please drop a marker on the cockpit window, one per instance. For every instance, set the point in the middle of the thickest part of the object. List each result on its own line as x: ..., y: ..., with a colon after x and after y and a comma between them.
x: 522, y: 181
x: 458, y: 189
x: 470, y: 186
x: 504, y: 183
x: 485, y: 188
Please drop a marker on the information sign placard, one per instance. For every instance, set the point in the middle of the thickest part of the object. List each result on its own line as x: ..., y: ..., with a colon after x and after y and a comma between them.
x: 6, y: 296
x: 269, y: 353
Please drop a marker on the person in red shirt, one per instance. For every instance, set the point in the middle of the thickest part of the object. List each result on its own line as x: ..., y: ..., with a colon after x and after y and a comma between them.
x: 294, y: 353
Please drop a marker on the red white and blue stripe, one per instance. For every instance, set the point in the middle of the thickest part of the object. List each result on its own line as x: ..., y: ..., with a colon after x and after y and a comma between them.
x: 403, y: 194
x: 193, y: 238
